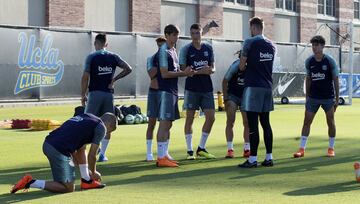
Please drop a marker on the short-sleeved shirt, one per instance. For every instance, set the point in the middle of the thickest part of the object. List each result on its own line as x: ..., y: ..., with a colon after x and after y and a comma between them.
x: 235, y: 79
x: 101, y: 66
x: 76, y: 132
x: 152, y: 61
x: 321, y: 74
x: 190, y: 56
x: 169, y: 60
x: 260, y: 53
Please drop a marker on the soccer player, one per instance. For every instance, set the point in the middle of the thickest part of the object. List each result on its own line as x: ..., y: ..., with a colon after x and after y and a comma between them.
x: 168, y: 90
x: 98, y: 78
x: 153, y: 99
x: 233, y: 85
x: 322, y: 89
x: 258, y: 55
x: 198, y: 89
x: 65, y: 147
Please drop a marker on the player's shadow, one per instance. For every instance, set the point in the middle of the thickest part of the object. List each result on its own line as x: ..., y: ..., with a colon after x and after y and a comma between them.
x: 325, y: 189
x: 21, y: 197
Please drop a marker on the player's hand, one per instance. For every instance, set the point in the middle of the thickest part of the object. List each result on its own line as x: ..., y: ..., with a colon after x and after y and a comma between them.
x: 208, y: 70
x: 189, y: 71
x: 95, y: 176
x: 84, y: 100
x: 336, y: 105
x: 111, y: 85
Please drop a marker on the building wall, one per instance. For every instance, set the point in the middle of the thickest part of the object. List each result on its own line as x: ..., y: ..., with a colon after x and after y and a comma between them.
x: 286, y: 28
x: 112, y: 15
x: 181, y: 14
x: 22, y: 12
x: 236, y: 23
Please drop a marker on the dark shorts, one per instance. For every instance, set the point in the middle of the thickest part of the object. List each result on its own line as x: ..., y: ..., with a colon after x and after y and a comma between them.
x: 61, y: 167
x: 236, y: 100
x: 257, y: 99
x: 100, y: 102
x: 312, y: 105
x: 196, y: 100
x: 153, y: 103
x: 169, y: 109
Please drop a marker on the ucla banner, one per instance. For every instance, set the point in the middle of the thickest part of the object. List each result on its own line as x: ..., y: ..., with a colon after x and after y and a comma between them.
x: 40, y: 66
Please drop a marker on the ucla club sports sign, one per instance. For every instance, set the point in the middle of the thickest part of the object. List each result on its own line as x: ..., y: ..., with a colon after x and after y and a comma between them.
x: 40, y: 66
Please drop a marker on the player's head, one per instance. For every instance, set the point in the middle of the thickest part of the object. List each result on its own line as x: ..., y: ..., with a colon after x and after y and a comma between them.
x: 318, y: 43
x: 256, y: 25
x: 100, y: 41
x: 195, y: 31
x: 160, y: 41
x: 109, y: 120
x: 171, y: 33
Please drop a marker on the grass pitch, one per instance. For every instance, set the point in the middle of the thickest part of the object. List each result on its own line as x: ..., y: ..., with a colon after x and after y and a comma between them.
x: 312, y: 179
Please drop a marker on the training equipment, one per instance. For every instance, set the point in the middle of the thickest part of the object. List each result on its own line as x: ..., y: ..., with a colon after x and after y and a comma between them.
x: 41, y: 124
x: 22, y: 183
x: 129, y: 119
x: 145, y: 118
x: 357, y: 171
x: 20, y: 124
x: 138, y: 119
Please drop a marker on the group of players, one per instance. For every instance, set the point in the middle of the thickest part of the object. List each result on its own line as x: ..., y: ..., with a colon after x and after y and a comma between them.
x: 246, y: 85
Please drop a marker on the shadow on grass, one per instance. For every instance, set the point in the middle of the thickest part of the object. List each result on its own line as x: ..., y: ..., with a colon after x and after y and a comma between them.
x: 325, y: 189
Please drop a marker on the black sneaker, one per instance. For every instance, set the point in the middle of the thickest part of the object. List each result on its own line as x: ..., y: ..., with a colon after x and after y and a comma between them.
x: 190, y: 155
x: 247, y: 164
x: 267, y: 163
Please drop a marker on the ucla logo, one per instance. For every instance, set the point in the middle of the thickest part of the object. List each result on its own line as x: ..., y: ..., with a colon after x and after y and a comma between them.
x: 40, y: 67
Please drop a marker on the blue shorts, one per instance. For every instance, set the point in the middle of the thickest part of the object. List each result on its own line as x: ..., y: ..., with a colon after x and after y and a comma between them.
x: 236, y: 100
x: 61, y: 169
x: 169, y: 109
x: 196, y: 100
x: 312, y: 105
x: 257, y: 99
x: 100, y: 102
x: 153, y: 103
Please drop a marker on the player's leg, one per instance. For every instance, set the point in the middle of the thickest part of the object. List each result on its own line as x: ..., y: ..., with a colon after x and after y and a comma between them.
x: 107, y: 106
x: 245, y: 123
x: 268, y: 138
x: 152, y: 113
x: 207, y: 104
x: 230, y: 108
x: 330, y: 120
x: 191, y: 104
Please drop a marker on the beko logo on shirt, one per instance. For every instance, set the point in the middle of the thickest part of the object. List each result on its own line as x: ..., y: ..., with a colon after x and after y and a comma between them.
x: 317, y: 76
x: 200, y: 63
x: 104, y: 70
x: 266, y: 56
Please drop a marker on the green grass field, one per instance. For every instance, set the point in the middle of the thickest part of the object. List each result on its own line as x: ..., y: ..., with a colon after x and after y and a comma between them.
x: 313, y: 179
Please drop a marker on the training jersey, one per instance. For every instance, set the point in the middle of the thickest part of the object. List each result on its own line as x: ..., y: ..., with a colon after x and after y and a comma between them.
x: 321, y: 75
x: 76, y: 132
x: 168, y: 59
x: 101, y: 66
x: 235, y: 79
x: 260, y: 53
x: 151, y: 62
x: 190, y: 56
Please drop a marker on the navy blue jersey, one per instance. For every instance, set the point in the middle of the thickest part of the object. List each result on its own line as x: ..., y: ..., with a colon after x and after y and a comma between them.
x: 169, y: 60
x: 260, y: 53
x: 101, y: 66
x: 190, y: 56
x: 153, y: 61
x: 76, y: 132
x: 235, y: 79
x: 321, y: 75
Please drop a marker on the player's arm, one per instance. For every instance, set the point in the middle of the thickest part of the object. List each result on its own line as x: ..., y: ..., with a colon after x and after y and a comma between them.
x: 244, y: 54
x: 99, y: 134
x: 335, y: 77
x: 126, y: 69
x: 151, y: 70
x: 165, y: 73
x: 85, y: 80
x: 307, y: 86
x: 79, y: 156
x: 92, y: 158
x: 225, y: 89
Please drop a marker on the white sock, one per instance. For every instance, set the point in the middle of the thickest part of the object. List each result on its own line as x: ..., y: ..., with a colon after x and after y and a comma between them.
x: 104, y: 145
x: 161, y: 149
x: 84, y: 171
x: 246, y: 146
x: 167, y: 150
x: 230, y: 145
x: 203, y: 139
x: 303, y: 141
x: 148, y: 147
x: 331, y: 142
x: 252, y: 159
x: 40, y: 184
x: 188, y: 138
x: 268, y: 157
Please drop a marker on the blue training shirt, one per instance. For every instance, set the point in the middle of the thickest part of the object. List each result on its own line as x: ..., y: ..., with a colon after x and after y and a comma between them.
x: 260, y: 53
x: 101, y: 66
x: 190, y: 56
x: 169, y: 60
x: 76, y: 132
x: 235, y: 79
x: 321, y: 74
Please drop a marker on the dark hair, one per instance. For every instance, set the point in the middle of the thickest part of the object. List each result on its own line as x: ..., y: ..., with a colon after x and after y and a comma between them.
x: 160, y: 39
x: 257, y: 21
x: 101, y: 37
x: 170, y: 29
x: 318, y: 39
x: 195, y: 26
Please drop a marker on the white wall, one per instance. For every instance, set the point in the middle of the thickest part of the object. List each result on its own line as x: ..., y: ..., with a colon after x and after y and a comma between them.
x: 236, y: 24
x: 108, y: 15
x: 285, y: 28
x: 22, y: 12
x: 182, y: 15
